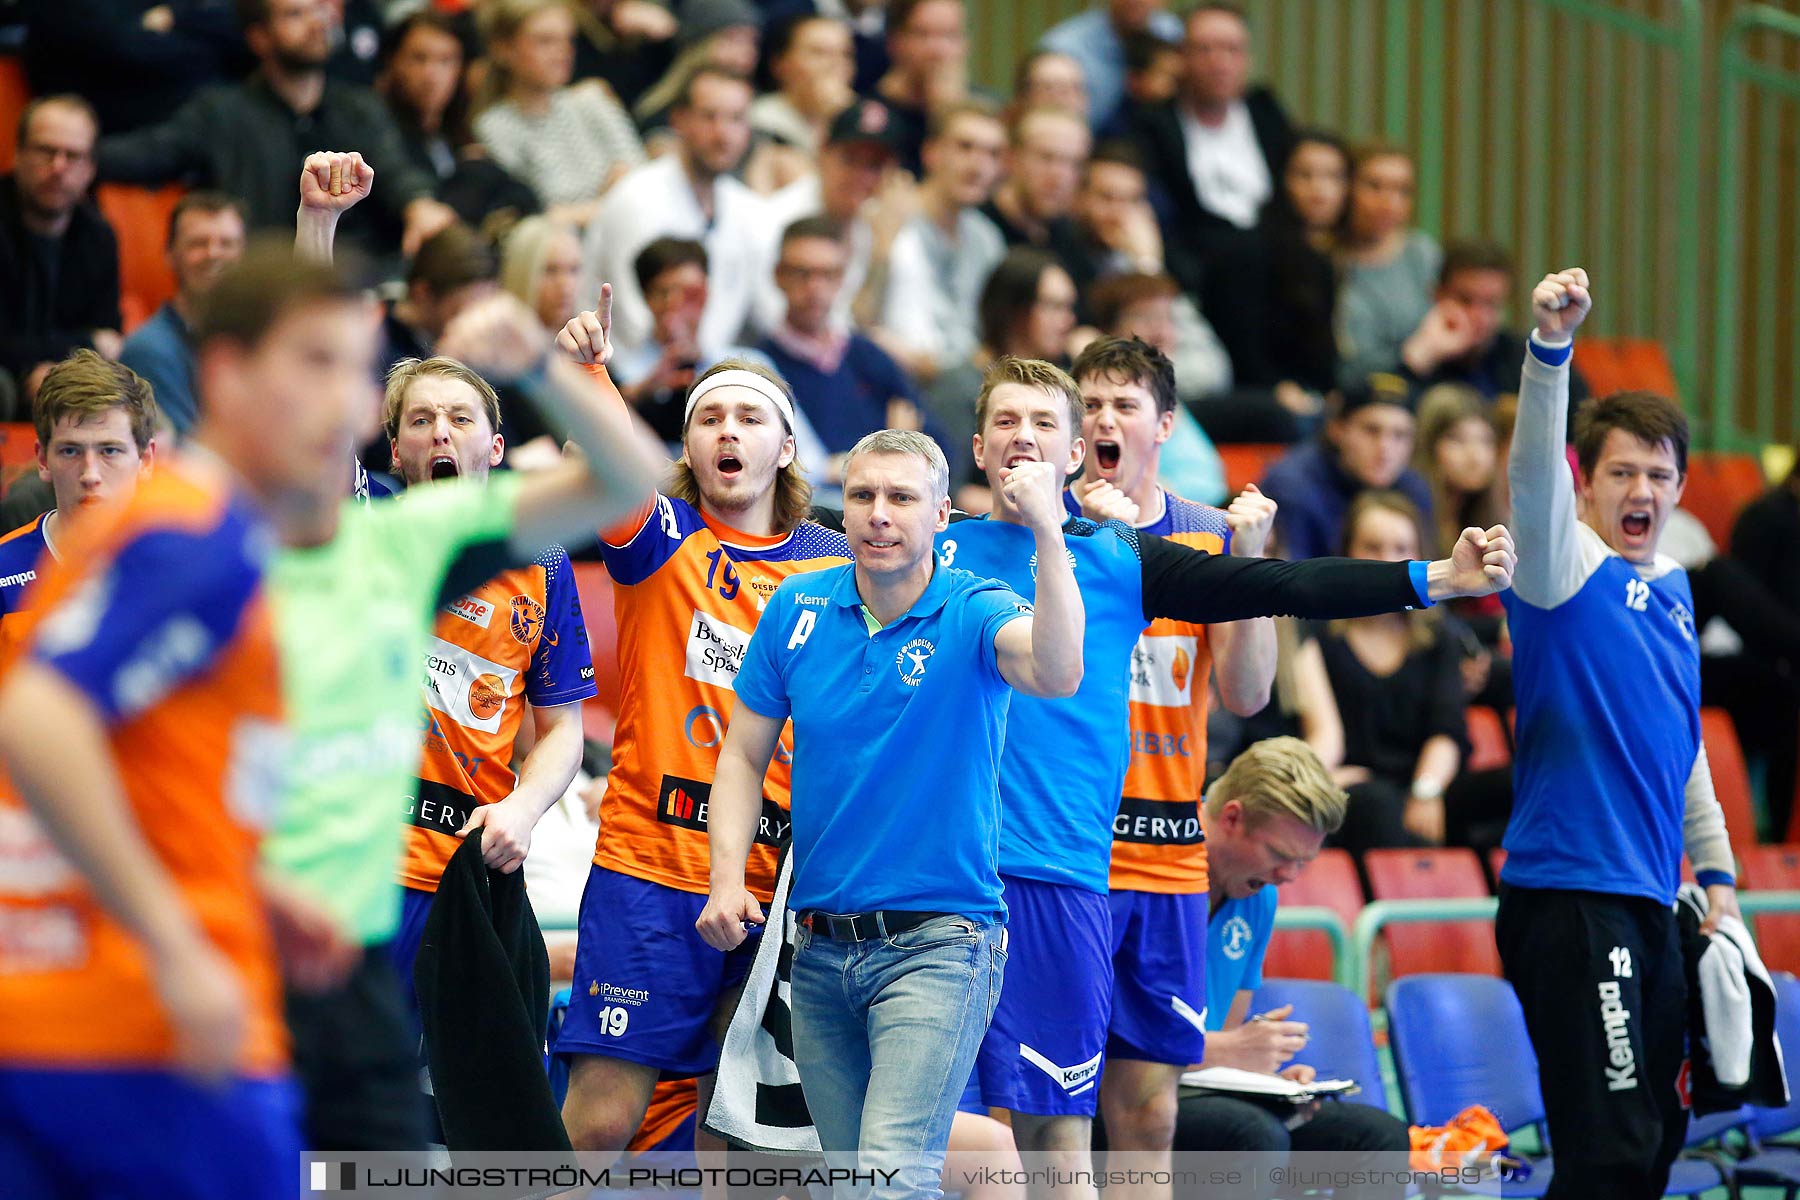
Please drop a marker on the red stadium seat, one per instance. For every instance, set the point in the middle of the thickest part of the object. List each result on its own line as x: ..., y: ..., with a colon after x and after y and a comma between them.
x: 1329, y: 881
x: 15, y: 94
x: 595, y: 588
x: 1488, y: 748
x: 1774, y: 869
x: 18, y: 444
x: 1718, y: 488
x: 1466, y: 947
x: 140, y: 218
x: 1731, y: 779
x: 1626, y: 365
x: 1245, y: 462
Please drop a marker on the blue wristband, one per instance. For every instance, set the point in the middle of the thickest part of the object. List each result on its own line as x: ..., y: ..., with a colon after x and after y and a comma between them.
x: 1415, y: 570
x: 1550, y: 356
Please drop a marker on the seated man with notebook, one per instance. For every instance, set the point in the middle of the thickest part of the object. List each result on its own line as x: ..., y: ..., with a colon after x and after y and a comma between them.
x: 1266, y: 818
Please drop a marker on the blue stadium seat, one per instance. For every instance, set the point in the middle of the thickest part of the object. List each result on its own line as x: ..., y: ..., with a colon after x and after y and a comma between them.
x: 1340, y: 1044
x: 1460, y: 1040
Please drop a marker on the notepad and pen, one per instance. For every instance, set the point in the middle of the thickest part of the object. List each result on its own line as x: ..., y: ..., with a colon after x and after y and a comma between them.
x: 1230, y: 1081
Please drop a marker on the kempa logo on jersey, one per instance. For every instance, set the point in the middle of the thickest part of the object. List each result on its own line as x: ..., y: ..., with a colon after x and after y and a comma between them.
x: 1158, y: 822
x: 16, y: 580
x: 683, y: 802
x: 475, y: 611
x: 1073, y: 1080
x: 715, y: 651
x: 1162, y: 670
x: 1616, y: 1018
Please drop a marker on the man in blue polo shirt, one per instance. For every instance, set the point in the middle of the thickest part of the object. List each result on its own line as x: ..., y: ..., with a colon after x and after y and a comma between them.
x: 898, y: 671
x: 1043, y: 1053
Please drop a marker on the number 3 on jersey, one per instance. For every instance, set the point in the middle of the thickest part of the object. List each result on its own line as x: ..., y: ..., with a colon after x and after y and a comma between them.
x: 1637, y: 594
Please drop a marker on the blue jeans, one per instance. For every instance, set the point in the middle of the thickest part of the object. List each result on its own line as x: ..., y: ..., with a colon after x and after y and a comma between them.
x: 885, y: 1035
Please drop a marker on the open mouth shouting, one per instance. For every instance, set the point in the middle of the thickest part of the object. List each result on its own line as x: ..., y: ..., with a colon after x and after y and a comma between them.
x: 1106, y: 457
x: 444, y: 466
x: 730, y: 467
x: 1636, y: 524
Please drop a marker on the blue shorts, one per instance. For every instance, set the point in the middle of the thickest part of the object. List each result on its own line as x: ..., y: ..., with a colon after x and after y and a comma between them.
x: 1042, y: 1054
x: 645, y: 984
x: 125, y: 1134
x: 415, y: 906
x: 1159, y: 977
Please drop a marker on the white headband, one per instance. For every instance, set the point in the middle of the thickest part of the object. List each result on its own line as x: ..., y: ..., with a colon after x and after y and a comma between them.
x: 740, y: 378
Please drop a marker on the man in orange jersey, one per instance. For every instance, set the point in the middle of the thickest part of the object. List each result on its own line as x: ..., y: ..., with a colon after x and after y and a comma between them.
x: 142, y: 1051
x: 94, y: 421
x: 1158, y: 881
x: 518, y: 638
x: 691, y: 572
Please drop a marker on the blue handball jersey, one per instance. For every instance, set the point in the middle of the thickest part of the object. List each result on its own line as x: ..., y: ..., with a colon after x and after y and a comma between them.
x: 1608, y: 692
x: 1063, y: 768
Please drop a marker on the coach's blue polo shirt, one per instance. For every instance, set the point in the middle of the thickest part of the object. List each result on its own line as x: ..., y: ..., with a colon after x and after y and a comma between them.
x: 897, y: 737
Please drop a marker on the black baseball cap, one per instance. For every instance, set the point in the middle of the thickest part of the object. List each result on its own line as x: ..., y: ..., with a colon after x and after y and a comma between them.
x: 1382, y: 387
x: 866, y: 121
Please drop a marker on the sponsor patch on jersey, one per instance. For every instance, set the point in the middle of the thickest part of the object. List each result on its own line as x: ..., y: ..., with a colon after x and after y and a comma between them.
x: 715, y: 651
x: 464, y: 686
x: 1162, y: 670
x: 683, y: 802
x: 472, y: 609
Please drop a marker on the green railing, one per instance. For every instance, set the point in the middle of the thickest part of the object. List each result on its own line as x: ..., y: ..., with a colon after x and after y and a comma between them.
x: 1305, y: 919
x: 1739, y: 70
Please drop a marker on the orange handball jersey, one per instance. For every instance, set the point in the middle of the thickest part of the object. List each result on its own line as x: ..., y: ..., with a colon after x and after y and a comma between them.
x: 668, y: 1124
x: 688, y: 592
x: 517, y: 637
x: 1157, y: 842
x: 156, y: 614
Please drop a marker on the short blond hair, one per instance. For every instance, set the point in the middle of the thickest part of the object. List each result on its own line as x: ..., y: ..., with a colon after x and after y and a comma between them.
x: 1280, y: 776
x: 1031, y: 372
x: 400, y: 378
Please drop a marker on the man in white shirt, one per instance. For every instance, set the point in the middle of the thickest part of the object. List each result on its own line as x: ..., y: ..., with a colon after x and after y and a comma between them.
x: 941, y: 259
x: 1217, y: 149
x: 689, y: 193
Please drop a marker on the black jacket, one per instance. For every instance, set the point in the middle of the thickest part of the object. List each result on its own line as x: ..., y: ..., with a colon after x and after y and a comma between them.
x: 43, y: 320
x: 483, y: 981
x: 1191, y: 231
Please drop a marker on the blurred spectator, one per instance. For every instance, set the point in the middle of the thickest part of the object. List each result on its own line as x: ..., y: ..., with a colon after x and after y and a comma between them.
x: 1398, y: 685
x: 356, y: 42
x: 1762, y: 687
x: 248, y: 139
x: 1463, y: 338
x: 59, y: 260
x: 135, y: 61
x: 628, y: 43
x: 928, y: 46
x: 845, y: 384
x: 719, y: 35
x: 1043, y: 170
x: 942, y: 257
x: 689, y: 193
x: 1027, y: 309
x: 1096, y: 41
x: 1215, y: 149
x: 867, y: 20
x: 812, y: 62
x: 1152, y: 73
x: 856, y: 154
x: 1152, y: 309
x: 421, y: 79
x: 1272, y: 298
x: 1389, y: 267
x: 1050, y: 79
x: 540, y: 263
x: 451, y: 271
x: 1115, y: 227
x: 570, y: 143
x: 1766, y: 538
x: 206, y: 235
x: 1366, y: 444
x: 1458, y: 453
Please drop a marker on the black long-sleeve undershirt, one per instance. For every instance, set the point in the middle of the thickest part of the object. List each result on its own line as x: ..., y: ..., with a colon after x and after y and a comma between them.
x: 1184, y: 584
